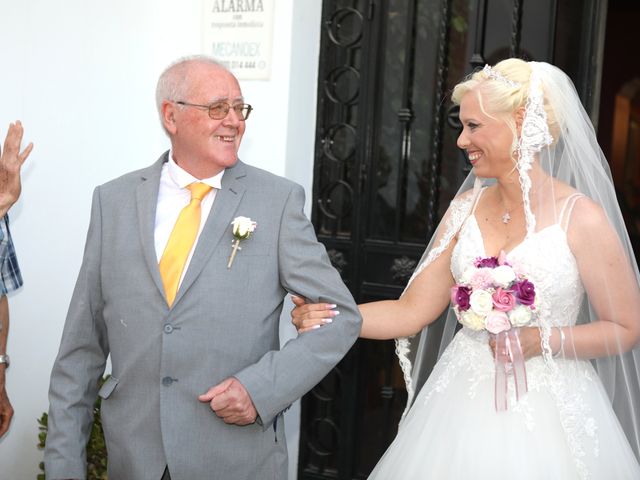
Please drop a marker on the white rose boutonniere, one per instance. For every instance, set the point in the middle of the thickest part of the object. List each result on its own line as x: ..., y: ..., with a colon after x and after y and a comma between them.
x: 242, y: 228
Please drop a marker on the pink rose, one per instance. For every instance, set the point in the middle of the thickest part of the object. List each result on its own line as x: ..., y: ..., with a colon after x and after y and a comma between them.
x: 497, y: 322
x: 503, y: 300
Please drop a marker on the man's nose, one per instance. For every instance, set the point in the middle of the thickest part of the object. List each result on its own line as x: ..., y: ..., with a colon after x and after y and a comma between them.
x: 232, y: 118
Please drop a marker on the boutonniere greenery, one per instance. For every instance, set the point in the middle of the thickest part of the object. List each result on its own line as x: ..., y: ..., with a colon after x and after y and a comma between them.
x: 242, y: 228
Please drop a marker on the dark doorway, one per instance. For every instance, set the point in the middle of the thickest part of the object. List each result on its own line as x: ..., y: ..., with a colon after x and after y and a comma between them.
x: 387, y: 166
x: 619, y: 115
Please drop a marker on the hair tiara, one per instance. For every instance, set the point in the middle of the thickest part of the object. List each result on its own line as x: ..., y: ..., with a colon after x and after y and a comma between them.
x: 494, y: 75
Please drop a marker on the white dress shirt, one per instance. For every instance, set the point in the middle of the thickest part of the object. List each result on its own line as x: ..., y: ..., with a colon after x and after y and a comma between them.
x: 173, y: 196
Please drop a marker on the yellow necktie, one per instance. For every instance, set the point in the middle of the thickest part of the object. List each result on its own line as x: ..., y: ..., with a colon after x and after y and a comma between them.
x: 181, y: 240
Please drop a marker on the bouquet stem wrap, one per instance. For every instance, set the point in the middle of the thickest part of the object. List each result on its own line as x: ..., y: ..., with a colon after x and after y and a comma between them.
x: 509, y: 358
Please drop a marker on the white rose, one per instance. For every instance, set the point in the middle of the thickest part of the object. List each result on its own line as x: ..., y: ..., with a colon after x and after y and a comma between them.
x: 243, y: 227
x: 503, y: 275
x: 467, y: 274
x: 471, y: 320
x: 520, y: 316
x: 481, y: 302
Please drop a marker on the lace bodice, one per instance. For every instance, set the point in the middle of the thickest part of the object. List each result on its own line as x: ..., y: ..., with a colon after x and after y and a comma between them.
x: 546, y: 259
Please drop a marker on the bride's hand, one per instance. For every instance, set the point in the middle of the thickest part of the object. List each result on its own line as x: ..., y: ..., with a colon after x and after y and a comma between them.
x: 309, y: 316
x: 529, y: 342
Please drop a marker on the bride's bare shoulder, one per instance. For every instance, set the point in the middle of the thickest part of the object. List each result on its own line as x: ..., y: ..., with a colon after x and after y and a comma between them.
x: 586, y: 222
x: 467, y: 196
x: 583, y: 206
x: 464, y: 196
x: 563, y: 192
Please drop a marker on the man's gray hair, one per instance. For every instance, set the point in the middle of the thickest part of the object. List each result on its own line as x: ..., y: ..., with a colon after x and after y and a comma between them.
x: 173, y: 83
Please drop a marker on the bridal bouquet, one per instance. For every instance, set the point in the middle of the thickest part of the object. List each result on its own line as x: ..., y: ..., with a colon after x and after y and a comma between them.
x: 493, y: 295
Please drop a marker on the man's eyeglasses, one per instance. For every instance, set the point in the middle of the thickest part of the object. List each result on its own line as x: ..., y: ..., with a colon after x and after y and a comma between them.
x: 220, y: 110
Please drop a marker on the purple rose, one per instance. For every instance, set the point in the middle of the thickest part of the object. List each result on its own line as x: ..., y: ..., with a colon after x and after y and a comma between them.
x: 460, y: 297
x: 489, y: 262
x: 525, y: 292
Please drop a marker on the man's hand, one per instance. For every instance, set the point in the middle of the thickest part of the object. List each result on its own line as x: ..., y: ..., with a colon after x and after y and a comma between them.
x: 231, y: 402
x: 6, y: 410
x: 11, y: 160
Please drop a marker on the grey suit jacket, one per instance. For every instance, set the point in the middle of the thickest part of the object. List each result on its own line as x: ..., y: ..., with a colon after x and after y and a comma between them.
x: 224, y: 322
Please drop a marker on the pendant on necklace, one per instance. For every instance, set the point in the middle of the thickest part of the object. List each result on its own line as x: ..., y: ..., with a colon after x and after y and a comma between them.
x: 506, y: 218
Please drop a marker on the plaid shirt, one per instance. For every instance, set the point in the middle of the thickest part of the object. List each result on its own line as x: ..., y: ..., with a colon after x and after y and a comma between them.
x: 10, y: 276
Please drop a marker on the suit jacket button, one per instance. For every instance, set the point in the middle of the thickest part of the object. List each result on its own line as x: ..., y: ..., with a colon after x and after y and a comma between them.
x: 167, y: 381
x: 168, y: 328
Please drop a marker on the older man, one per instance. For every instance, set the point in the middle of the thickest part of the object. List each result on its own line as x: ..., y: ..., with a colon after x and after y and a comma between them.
x: 11, y: 160
x: 199, y: 379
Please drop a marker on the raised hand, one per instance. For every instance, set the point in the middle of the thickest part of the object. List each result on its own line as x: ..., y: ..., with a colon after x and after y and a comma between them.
x: 310, y: 316
x: 231, y: 402
x: 11, y: 160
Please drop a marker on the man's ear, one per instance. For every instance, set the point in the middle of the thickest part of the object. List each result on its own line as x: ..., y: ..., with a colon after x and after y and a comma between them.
x: 168, y: 116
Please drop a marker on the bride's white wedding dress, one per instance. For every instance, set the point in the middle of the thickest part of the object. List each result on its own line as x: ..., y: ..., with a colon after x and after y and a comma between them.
x: 563, y: 428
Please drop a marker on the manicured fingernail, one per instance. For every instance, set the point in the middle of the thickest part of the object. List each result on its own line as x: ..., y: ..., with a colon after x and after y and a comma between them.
x: 334, y: 313
x: 332, y: 305
x: 315, y: 327
x: 327, y: 320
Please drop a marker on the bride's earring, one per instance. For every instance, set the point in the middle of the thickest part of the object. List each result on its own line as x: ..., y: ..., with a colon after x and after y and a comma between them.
x: 514, y: 159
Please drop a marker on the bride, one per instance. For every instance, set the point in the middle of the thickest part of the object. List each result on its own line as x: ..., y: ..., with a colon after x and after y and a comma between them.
x: 533, y: 258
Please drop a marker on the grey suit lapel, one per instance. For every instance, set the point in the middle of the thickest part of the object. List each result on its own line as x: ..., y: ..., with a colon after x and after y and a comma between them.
x: 147, y: 200
x: 219, y: 222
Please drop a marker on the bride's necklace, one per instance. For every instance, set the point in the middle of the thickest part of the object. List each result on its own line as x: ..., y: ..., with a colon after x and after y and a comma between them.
x: 506, y: 216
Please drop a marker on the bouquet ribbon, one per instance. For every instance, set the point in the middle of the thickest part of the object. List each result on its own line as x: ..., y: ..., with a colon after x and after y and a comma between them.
x: 509, y: 358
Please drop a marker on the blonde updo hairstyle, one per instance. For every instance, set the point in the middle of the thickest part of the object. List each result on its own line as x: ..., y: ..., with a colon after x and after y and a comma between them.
x: 498, y: 98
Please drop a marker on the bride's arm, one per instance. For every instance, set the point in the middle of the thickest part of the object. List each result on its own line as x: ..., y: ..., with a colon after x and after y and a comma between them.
x: 611, y: 286
x: 422, y: 303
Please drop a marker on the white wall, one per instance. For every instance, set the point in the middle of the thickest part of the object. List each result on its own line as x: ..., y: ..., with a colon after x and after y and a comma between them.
x: 81, y: 75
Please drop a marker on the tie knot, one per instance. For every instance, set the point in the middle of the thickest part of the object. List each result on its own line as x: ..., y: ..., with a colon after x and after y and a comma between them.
x: 198, y: 190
